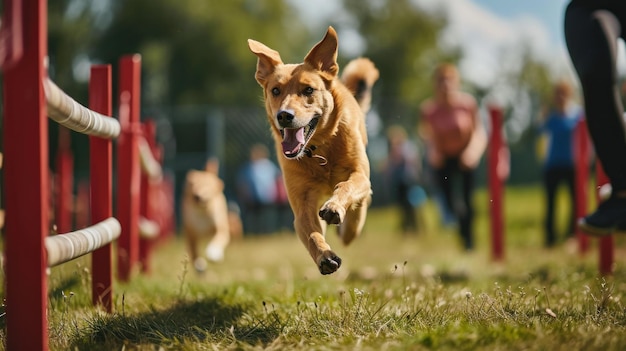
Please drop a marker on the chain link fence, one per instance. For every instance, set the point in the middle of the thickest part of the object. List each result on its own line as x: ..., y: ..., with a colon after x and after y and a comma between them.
x: 193, y: 134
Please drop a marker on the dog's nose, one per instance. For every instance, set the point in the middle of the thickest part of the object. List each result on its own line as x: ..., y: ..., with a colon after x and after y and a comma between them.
x: 285, y: 117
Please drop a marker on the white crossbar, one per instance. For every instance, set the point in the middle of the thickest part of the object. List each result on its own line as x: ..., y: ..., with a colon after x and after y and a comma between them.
x: 69, y: 113
x: 66, y: 247
x: 149, y: 165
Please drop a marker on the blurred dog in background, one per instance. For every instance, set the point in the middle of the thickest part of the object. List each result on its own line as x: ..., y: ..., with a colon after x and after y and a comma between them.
x: 205, y: 215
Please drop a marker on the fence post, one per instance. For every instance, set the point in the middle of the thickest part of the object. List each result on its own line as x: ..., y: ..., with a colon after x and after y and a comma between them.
x: 128, y: 165
x: 147, y: 191
x: 101, y: 186
x: 496, y: 203
x: 581, y: 160
x: 606, y: 242
x: 64, y: 181
x: 26, y: 171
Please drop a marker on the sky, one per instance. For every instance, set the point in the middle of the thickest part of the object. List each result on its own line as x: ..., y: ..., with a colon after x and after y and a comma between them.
x: 490, y: 33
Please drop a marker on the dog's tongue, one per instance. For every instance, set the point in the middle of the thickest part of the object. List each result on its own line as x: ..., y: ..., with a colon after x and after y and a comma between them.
x: 293, y: 139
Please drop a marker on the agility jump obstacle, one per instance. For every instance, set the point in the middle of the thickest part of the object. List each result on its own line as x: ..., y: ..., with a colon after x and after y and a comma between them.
x: 581, y: 147
x: 29, y: 99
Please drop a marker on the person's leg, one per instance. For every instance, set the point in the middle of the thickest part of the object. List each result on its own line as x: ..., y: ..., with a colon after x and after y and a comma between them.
x: 466, y: 214
x: 591, y: 40
x: 407, y: 223
x: 444, y: 177
x: 550, y: 183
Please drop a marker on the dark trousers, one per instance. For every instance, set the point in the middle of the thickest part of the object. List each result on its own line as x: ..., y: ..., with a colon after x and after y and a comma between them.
x: 462, y: 207
x: 409, y: 217
x: 593, y: 49
x: 552, y: 178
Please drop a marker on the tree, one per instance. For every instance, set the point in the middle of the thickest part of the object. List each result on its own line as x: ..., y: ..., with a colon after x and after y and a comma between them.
x: 195, y: 51
x: 403, y: 41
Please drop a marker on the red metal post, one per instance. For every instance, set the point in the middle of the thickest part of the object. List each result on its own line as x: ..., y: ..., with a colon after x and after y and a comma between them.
x: 101, y: 183
x: 128, y: 182
x: 496, y: 184
x: 11, y: 34
x: 64, y: 182
x: 147, y: 197
x: 606, y: 242
x: 26, y: 184
x: 581, y: 159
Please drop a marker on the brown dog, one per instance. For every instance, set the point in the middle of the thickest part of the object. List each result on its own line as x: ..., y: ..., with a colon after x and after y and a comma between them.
x: 319, y: 128
x: 205, y: 214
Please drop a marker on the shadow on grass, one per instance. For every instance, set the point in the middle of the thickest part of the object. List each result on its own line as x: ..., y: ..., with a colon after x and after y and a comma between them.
x: 210, y: 320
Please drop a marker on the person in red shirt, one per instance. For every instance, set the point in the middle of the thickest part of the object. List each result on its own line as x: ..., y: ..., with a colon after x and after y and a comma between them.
x: 455, y: 140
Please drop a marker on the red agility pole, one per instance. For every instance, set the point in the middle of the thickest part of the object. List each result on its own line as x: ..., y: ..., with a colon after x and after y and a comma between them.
x: 128, y: 165
x: 26, y: 182
x: 64, y: 182
x: 148, y: 192
x: 605, y: 243
x: 496, y: 184
x: 581, y: 159
x: 101, y: 185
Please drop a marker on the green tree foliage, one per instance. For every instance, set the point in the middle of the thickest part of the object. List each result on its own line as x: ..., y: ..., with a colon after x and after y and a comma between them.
x: 195, y: 51
x: 71, y: 33
x: 403, y: 40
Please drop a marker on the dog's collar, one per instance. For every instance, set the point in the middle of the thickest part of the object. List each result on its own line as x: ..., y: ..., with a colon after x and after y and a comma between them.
x: 309, y: 152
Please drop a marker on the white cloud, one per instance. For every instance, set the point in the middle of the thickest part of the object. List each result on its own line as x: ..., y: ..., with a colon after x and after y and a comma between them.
x: 491, y: 42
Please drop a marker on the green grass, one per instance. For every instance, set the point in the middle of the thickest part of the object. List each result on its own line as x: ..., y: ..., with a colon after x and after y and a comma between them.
x: 392, y: 293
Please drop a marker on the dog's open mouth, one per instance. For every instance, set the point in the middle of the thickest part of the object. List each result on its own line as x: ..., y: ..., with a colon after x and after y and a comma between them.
x: 295, y: 139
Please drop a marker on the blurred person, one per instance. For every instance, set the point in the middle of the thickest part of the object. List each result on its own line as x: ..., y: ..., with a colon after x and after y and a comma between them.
x: 592, y: 28
x: 456, y: 140
x: 559, y: 125
x: 257, y: 191
x: 402, y: 171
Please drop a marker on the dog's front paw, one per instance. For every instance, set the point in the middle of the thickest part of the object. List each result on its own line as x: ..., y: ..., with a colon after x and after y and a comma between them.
x: 332, y: 213
x: 214, y: 253
x: 328, y: 262
x: 200, y: 265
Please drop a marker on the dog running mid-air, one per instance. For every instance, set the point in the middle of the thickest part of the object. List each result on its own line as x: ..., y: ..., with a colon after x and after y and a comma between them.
x: 318, y: 124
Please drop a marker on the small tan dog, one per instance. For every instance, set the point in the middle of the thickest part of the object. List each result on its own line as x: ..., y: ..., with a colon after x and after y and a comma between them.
x: 205, y: 215
x: 319, y: 127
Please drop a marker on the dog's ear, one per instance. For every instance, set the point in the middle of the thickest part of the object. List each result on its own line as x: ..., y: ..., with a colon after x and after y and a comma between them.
x: 323, y: 56
x: 212, y: 165
x: 218, y: 186
x: 268, y: 60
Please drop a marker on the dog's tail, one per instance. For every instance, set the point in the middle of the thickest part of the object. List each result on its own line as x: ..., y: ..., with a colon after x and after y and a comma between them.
x: 359, y: 77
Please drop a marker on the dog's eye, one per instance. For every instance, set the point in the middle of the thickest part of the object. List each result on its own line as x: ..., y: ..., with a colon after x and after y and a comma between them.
x: 275, y: 91
x: 308, y: 91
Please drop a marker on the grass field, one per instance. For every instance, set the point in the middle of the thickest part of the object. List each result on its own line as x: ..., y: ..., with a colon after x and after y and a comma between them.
x: 392, y: 293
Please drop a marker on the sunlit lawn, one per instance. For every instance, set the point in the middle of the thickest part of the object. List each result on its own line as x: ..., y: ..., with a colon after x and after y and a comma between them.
x: 391, y: 293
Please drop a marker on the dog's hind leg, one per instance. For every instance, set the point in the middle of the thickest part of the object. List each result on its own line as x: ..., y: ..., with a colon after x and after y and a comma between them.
x: 354, y: 222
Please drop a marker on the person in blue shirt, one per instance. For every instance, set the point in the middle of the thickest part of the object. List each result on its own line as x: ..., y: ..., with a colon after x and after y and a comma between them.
x: 257, y: 190
x: 592, y: 29
x: 558, y: 168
